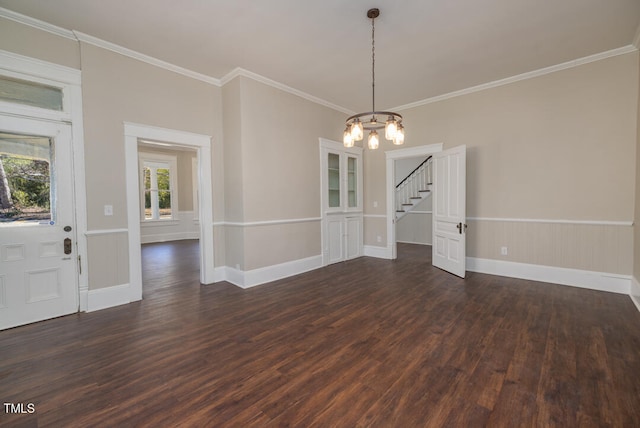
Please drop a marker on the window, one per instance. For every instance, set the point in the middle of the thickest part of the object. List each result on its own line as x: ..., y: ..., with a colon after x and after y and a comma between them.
x: 158, y: 187
x: 25, y: 178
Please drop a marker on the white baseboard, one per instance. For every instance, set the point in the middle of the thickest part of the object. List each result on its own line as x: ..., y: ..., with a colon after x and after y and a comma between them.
x: 84, y: 300
x: 634, y: 292
x: 600, y: 281
x: 415, y: 243
x: 251, y: 278
x: 378, y: 252
x: 166, y: 237
x: 108, y: 297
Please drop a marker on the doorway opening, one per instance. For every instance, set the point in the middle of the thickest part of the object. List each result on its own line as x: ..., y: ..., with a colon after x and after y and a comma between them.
x: 399, y: 162
x: 169, y: 221
x: 148, y: 186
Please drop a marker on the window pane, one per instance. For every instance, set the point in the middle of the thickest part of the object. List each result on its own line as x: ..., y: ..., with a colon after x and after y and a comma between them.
x: 163, y: 179
x: 351, y: 182
x: 147, y: 205
x: 25, y: 178
x: 164, y: 202
x: 147, y: 178
x: 30, y: 93
x: 334, y: 180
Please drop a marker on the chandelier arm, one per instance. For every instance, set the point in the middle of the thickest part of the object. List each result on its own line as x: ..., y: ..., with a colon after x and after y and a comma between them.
x: 397, y: 116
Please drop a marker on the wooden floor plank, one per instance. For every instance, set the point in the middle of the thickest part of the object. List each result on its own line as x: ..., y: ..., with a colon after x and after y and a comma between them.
x: 366, y: 342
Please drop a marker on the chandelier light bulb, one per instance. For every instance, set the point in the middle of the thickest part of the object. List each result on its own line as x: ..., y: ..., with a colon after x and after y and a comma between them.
x: 357, y: 130
x: 398, y: 138
x: 390, y: 128
x: 347, y: 139
x: 373, y: 141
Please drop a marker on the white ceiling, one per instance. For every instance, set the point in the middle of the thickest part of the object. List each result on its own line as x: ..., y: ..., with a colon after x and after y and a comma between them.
x: 424, y: 48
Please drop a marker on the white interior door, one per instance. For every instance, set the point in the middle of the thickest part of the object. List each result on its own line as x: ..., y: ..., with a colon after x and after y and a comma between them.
x: 38, y: 255
x: 449, y: 210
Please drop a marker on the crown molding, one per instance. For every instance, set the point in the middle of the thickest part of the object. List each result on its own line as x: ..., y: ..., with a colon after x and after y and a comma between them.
x: 236, y: 72
x: 144, y: 58
x: 36, y: 23
x: 524, y: 76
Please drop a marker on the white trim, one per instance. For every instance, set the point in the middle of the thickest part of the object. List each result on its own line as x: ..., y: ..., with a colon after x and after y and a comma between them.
x: 391, y: 156
x: 134, y: 132
x: 281, y: 86
x: 375, y: 216
x: 107, y: 297
x: 524, y: 76
x: 98, y: 232
x: 412, y: 152
x: 634, y: 292
x: 600, y: 281
x: 145, y: 58
x: 552, y: 221
x: 419, y: 212
x: 168, y: 237
x: 251, y: 278
x: 36, y: 23
x: 267, y: 222
x: 46, y: 72
x: 378, y: 252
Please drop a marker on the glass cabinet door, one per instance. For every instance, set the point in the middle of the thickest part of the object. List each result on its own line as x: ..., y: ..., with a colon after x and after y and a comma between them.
x: 334, y: 180
x: 352, y: 182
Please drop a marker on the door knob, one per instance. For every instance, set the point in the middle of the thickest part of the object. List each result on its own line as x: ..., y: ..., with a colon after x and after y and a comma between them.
x: 67, y: 246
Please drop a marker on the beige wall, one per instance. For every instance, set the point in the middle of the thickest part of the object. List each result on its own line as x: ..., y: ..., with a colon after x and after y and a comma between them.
x: 118, y: 89
x: 560, y: 146
x: 273, y: 172
x: 31, y: 42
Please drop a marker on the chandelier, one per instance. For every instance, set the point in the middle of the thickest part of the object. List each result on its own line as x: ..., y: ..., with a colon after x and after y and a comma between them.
x: 373, y: 120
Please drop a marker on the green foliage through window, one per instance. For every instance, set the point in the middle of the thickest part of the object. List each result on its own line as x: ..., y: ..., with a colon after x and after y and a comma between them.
x: 25, y: 189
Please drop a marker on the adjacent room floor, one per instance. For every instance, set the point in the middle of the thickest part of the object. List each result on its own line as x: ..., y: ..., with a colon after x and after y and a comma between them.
x: 367, y: 342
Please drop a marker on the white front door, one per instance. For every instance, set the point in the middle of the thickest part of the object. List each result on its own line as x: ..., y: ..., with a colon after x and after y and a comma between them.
x: 38, y: 254
x: 449, y: 210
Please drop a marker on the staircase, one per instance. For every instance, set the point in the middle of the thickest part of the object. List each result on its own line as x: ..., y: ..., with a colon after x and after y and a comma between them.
x: 414, y: 188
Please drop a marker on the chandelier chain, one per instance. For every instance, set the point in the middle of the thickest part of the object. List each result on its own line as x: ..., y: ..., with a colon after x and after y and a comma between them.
x: 373, y: 62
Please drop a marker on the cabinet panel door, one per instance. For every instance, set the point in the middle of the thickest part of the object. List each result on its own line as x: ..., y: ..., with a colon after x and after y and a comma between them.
x: 354, y: 226
x: 335, y: 246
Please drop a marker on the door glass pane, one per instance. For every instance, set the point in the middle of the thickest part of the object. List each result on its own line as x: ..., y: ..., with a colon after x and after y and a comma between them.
x: 26, y: 169
x: 334, y: 180
x: 30, y: 93
x: 352, y: 184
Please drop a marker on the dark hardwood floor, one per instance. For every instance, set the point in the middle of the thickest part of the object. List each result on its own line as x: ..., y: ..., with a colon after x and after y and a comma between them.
x: 366, y: 342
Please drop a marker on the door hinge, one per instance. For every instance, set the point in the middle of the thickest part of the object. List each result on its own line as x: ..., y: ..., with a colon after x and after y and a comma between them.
x: 79, y: 264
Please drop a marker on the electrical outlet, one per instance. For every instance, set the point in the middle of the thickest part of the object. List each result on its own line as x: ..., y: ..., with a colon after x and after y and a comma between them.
x: 108, y: 210
x: 504, y: 251
x: 375, y: 204
x: 379, y: 238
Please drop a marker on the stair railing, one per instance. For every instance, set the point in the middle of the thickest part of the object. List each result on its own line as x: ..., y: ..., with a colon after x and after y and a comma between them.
x: 413, y: 183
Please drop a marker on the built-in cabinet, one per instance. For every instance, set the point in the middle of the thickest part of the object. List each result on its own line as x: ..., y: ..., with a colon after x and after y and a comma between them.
x: 341, y: 190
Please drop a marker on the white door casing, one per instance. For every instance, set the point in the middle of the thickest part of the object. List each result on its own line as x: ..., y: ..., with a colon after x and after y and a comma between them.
x: 449, y: 210
x: 37, y: 280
